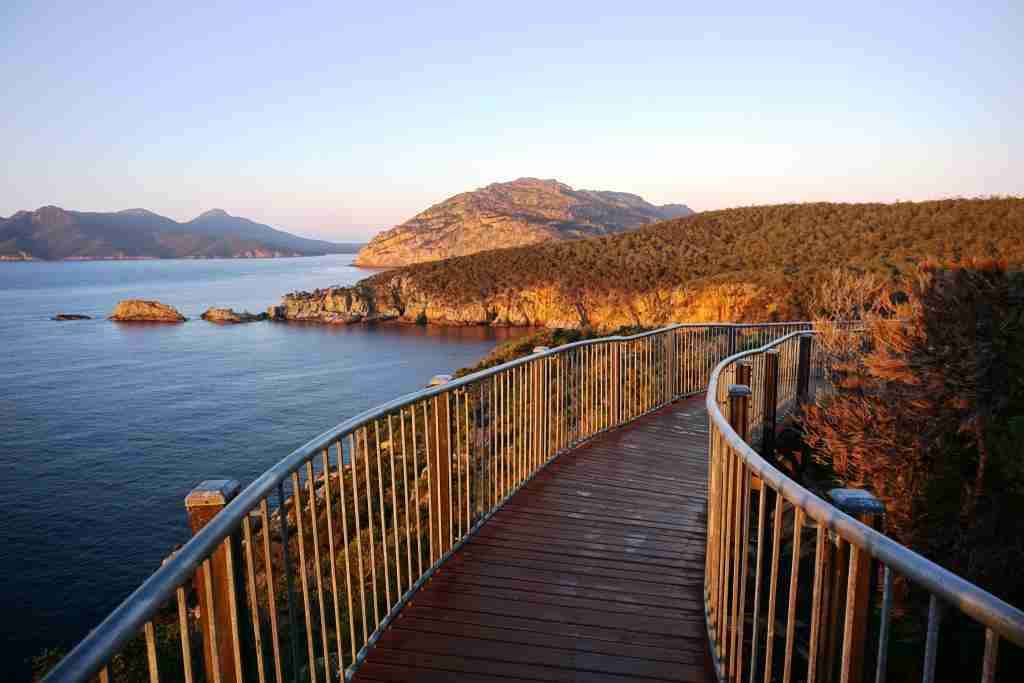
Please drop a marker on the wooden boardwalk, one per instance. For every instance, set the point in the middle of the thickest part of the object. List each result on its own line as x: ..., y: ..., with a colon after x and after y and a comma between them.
x: 593, y: 572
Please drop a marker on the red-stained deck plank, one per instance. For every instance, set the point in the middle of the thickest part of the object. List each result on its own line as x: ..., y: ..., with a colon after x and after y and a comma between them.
x: 593, y: 572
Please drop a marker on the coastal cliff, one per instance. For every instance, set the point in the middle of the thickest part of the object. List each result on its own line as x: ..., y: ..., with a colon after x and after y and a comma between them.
x: 747, y: 264
x: 399, y: 298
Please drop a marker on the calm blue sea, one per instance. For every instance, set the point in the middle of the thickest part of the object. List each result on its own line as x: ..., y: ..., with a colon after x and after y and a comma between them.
x: 104, y: 427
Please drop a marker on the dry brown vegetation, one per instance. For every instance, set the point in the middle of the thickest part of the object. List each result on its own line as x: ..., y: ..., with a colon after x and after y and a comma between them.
x: 780, y: 252
x: 929, y: 415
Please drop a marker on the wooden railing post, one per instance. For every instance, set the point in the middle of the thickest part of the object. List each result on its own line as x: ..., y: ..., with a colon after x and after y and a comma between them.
x: 803, y: 371
x: 739, y: 408
x: 202, y: 504
x: 771, y: 401
x: 744, y: 373
x: 441, y: 463
x: 854, y: 619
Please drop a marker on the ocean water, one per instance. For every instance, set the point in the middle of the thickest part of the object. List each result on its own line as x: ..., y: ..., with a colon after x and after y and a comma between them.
x: 104, y: 427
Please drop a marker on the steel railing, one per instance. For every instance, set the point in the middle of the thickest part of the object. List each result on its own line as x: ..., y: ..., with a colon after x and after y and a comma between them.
x: 821, y: 632
x: 302, y: 572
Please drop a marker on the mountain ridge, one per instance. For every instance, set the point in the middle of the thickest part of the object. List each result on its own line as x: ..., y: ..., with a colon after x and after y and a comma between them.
x: 53, y: 233
x: 511, y: 214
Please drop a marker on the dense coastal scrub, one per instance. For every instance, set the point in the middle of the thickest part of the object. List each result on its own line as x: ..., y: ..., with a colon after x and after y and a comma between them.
x: 747, y: 264
x: 929, y: 416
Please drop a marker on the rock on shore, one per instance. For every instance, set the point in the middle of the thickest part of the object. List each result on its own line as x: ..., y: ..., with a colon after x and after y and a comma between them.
x: 142, y: 310
x: 229, y: 316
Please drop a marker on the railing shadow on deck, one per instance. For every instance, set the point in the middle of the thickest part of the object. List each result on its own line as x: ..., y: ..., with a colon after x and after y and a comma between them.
x: 301, y: 572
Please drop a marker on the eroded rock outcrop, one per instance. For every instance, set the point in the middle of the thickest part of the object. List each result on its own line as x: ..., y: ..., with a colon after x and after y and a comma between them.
x: 229, y: 316
x: 143, y: 310
x: 399, y: 298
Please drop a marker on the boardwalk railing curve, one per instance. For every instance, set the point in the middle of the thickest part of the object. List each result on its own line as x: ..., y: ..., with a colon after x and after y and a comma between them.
x: 758, y: 517
x: 298, y: 575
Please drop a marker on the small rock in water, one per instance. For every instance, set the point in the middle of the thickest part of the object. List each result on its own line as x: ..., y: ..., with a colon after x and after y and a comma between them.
x: 231, y: 316
x: 71, y: 316
x: 141, y: 310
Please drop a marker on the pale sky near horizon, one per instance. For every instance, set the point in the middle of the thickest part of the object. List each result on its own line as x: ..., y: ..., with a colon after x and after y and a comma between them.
x: 337, y: 120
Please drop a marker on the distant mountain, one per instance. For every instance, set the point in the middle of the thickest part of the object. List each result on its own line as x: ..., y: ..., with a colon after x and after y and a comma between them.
x: 219, y: 222
x: 517, y: 213
x: 53, y: 233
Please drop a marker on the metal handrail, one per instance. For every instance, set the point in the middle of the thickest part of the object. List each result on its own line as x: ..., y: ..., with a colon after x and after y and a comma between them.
x: 94, y: 652
x: 734, y: 466
x: 525, y: 413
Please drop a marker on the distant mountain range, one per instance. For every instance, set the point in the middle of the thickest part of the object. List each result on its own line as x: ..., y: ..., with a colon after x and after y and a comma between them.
x: 52, y: 234
x: 513, y: 214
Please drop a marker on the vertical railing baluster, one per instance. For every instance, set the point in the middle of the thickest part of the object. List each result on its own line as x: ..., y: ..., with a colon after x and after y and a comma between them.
x: 407, y: 500
x: 446, y: 457
x: 458, y: 452
x: 383, y: 520
x: 429, y: 466
x: 394, y: 514
x: 773, y: 585
x: 314, y: 525
x: 821, y: 537
x: 342, y: 467
x: 883, y: 627
x: 469, y: 463
x: 370, y: 529
x: 333, y: 555
x: 154, y: 671
x: 743, y: 543
x: 990, y: 664
x: 271, y: 591
x: 758, y: 564
x: 213, y: 642
x: 184, y: 635
x: 303, y: 579
x: 794, y: 577
x: 254, y: 609
x: 931, y: 648
x: 354, y: 467
x: 293, y: 618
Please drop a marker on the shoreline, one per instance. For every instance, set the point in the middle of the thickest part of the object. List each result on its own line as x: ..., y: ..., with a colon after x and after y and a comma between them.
x: 106, y: 259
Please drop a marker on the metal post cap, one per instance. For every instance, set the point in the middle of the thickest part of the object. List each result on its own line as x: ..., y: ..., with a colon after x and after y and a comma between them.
x: 739, y: 390
x: 212, y: 492
x: 856, y: 502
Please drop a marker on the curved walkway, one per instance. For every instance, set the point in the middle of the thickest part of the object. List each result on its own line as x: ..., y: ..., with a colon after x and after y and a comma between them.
x: 593, y: 572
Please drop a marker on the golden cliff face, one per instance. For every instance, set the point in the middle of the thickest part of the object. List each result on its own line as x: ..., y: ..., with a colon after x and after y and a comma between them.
x: 400, y: 299
x: 524, y: 211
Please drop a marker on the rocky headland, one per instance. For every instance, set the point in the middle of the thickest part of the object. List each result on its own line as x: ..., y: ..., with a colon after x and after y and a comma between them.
x: 517, y: 213
x: 142, y: 310
x: 229, y: 316
x: 746, y: 265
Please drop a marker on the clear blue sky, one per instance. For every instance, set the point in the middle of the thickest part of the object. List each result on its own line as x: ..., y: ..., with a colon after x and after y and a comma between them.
x: 340, y: 118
